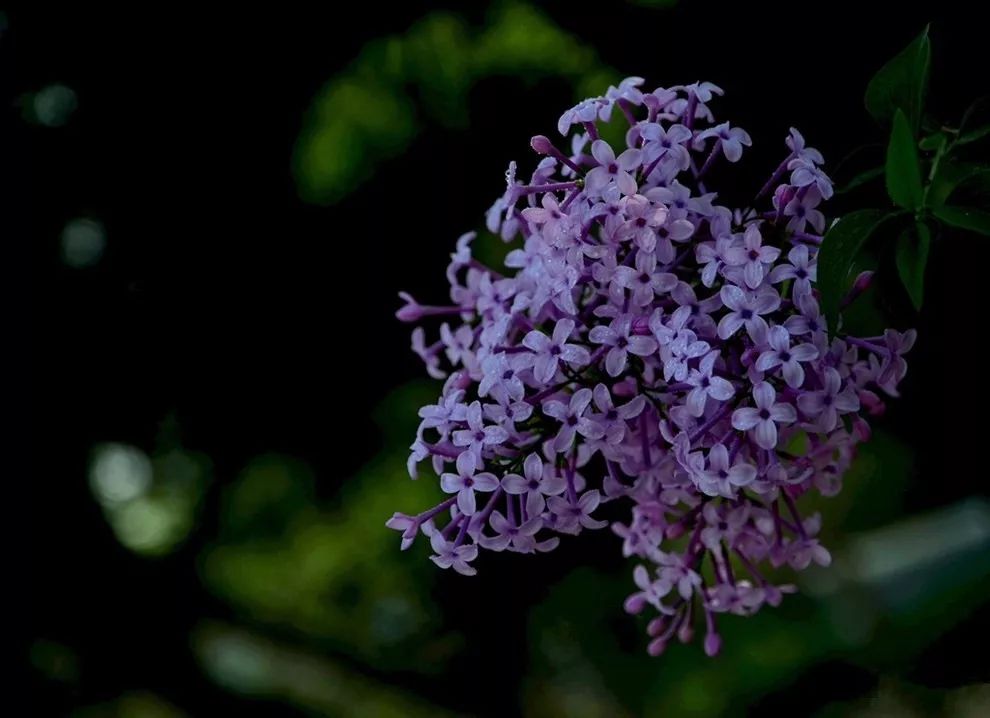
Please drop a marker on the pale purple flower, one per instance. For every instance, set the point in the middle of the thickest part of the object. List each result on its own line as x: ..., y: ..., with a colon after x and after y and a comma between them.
x: 795, y: 141
x: 696, y: 312
x: 801, y: 268
x: 617, y: 336
x: 732, y: 140
x: 716, y: 255
x: 644, y: 219
x: 722, y: 477
x: 643, y: 280
x: 465, y: 482
x: 516, y: 537
x: 672, y: 230
x: 669, y: 143
x: 801, y: 210
x: 825, y: 405
x: 501, y: 376
x: 753, y: 257
x: 447, y: 554
x: 550, y: 351
x: 725, y: 523
x: 746, y: 310
x: 612, y: 169
x: 706, y: 384
x: 761, y: 422
x: 613, y: 419
x: 477, y: 436
x: 572, y: 516
x: 806, y: 174
x: 572, y: 419
x: 651, y: 592
x: 556, y: 224
x: 782, y: 354
x: 537, y: 482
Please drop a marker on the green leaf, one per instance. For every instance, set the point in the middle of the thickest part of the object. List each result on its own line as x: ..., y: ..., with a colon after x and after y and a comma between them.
x: 903, y: 169
x: 839, y: 248
x: 952, y: 175
x: 861, y: 179
x: 932, y: 142
x: 911, y: 257
x: 977, y: 134
x: 967, y: 218
x: 902, y: 83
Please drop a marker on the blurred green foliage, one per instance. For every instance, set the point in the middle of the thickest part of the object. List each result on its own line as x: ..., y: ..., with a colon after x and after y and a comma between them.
x: 367, y: 114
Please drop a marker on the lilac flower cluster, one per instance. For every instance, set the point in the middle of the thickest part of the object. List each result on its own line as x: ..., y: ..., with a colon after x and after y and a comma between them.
x: 647, y: 345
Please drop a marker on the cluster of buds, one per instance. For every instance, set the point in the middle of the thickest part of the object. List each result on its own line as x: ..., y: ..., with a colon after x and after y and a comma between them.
x: 646, y: 345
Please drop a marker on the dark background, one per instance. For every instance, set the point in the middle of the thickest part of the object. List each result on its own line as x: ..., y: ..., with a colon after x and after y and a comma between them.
x: 260, y: 324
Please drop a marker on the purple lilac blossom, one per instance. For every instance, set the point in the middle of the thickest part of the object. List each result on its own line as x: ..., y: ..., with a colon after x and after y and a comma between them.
x: 649, y: 348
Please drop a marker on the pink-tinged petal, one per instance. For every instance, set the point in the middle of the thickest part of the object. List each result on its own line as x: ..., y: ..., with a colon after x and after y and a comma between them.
x: 783, y: 413
x: 627, y: 185
x: 767, y: 361
x: 514, y: 484
x: 597, y: 179
x: 764, y: 395
x: 720, y: 389
x: 602, y: 152
x: 630, y: 159
x: 536, y: 215
x: 793, y: 374
x: 466, y: 502
x: 746, y: 418
x: 765, y: 434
